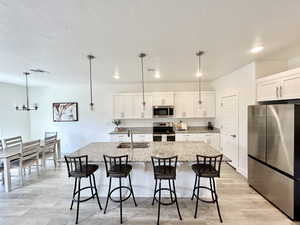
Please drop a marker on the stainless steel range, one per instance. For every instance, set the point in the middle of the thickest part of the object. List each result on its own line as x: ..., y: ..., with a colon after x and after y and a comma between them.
x: 163, y: 131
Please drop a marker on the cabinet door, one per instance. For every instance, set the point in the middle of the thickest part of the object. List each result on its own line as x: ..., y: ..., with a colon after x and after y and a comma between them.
x: 184, y: 105
x: 138, y: 111
x: 123, y: 106
x: 161, y: 98
x: 207, y: 108
x: 213, y: 140
x: 183, y: 137
x: 268, y: 91
x: 142, y: 137
x: 289, y: 88
x: 119, y: 138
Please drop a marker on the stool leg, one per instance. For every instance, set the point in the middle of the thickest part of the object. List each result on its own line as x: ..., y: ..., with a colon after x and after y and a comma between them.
x: 96, y: 192
x: 108, y: 195
x: 176, y: 200
x: 74, y: 190
x: 212, y: 190
x: 217, y: 202
x: 120, y: 184
x: 154, y: 192
x: 194, y: 188
x: 91, y: 186
x: 78, y: 200
x: 131, y: 190
x: 171, y: 196
x: 159, y: 199
x: 197, y: 196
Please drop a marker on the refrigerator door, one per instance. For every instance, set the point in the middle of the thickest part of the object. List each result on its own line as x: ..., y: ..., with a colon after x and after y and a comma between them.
x: 280, y: 137
x: 257, y: 130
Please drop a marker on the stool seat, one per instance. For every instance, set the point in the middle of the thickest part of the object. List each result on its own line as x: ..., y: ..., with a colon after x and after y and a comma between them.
x: 119, y: 170
x: 85, y: 171
x: 205, y: 170
x: 165, y: 172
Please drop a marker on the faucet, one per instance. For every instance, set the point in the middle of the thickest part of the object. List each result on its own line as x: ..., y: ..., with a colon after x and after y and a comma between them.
x: 130, y: 134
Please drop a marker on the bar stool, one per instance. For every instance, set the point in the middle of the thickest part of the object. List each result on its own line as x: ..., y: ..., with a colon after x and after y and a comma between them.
x: 78, y: 168
x: 165, y: 169
x: 118, y: 167
x: 207, y: 167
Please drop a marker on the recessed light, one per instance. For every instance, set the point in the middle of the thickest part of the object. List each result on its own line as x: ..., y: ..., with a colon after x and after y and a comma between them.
x: 157, y: 75
x: 257, y: 49
x: 199, y: 74
x: 117, y: 77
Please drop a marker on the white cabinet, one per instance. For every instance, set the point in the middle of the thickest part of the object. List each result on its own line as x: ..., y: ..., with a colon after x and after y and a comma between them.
x: 290, y: 87
x: 207, y: 108
x: 163, y: 98
x: 123, y: 106
x: 213, y: 139
x: 281, y: 86
x: 138, y: 111
x: 142, y: 137
x: 268, y: 90
x: 184, y: 104
x: 119, y: 138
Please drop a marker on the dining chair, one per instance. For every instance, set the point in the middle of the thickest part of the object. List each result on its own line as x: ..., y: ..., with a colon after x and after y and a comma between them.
x: 50, y: 134
x: 49, y: 151
x: 30, y: 155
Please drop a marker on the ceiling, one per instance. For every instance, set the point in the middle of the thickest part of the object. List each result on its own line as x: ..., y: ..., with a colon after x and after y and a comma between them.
x: 57, y: 35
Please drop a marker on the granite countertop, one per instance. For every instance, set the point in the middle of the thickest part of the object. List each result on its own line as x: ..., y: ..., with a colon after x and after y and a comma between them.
x: 186, y: 151
x: 149, y: 130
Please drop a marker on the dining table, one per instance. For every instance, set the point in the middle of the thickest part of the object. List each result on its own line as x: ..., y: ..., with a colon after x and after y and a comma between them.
x: 14, y: 153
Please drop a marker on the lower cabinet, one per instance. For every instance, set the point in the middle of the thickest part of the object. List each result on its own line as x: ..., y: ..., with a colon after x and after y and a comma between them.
x: 212, y: 139
x: 136, y: 138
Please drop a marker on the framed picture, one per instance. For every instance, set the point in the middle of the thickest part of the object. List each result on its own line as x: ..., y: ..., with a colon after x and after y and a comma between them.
x: 65, y: 111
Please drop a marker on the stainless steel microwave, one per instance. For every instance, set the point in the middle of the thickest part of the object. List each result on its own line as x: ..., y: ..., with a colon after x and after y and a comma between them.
x: 163, y: 111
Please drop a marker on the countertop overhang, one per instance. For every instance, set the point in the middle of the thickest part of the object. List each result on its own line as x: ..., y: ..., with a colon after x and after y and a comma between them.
x: 186, y: 151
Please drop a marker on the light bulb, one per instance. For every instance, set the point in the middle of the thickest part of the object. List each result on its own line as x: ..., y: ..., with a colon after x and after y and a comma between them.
x: 157, y: 75
x: 257, y: 49
x: 199, y: 74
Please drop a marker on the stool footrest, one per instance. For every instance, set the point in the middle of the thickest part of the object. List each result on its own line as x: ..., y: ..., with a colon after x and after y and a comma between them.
x: 165, y: 203
x: 121, y: 200
x: 207, y: 188
x: 86, y: 199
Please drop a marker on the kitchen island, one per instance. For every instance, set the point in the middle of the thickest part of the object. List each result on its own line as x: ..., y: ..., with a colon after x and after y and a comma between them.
x: 140, y: 159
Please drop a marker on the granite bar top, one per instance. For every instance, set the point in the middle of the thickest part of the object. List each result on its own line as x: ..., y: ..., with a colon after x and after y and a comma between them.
x: 186, y: 151
x: 149, y: 130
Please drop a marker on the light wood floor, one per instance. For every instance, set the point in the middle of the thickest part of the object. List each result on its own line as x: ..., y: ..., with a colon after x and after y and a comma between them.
x: 45, y: 201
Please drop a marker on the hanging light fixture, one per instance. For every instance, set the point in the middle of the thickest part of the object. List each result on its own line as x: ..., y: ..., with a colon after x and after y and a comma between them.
x: 199, y: 73
x: 27, y: 107
x: 90, y: 57
x: 142, y: 56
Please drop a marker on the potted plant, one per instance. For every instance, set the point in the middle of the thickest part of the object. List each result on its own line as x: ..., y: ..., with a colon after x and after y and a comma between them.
x: 116, y: 123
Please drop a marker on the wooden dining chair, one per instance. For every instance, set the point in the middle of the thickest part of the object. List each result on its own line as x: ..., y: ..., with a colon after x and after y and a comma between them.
x: 30, y: 156
x: 49, y: 151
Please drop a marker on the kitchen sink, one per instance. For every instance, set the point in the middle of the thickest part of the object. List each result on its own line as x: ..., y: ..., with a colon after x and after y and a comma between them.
x: 135, y: 145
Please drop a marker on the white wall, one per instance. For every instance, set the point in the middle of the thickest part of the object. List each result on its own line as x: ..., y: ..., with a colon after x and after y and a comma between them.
x: 92, y: 126
x: 12, y: 122
x: 242, y: 83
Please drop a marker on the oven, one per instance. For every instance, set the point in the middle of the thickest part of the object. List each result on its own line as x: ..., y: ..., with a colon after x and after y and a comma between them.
x: 163, y: 132
x: 163, y: 111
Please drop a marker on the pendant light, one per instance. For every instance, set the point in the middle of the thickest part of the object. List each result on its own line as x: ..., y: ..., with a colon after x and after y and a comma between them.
x: 27, y: 107
x: 142, y: 56
x: 199, y: 74
x: 90, y: 57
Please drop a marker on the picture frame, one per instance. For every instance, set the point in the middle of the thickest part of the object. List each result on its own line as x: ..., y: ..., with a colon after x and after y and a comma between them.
x: 65, y: 111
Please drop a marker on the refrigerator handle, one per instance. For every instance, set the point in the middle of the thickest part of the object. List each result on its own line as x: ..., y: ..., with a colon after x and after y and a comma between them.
x: 276, y: 92
x: 280, y: 91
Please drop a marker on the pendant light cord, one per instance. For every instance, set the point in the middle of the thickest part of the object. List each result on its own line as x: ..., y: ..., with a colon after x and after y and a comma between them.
x: 90, y: 57
x: 142, y: 55
x: 27, y: 92
x: 199, y: 54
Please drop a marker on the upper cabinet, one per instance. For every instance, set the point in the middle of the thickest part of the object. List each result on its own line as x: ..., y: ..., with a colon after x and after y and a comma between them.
x: 186, y: 104
x: 163, y: 98
x: 207, y: 108
x: 281, y: 86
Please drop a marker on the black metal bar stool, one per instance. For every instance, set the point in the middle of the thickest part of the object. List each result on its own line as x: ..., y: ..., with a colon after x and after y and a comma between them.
x: 78, y: 168
x: 165, y: 169
x: 207, y: 167
x: 118, y: 167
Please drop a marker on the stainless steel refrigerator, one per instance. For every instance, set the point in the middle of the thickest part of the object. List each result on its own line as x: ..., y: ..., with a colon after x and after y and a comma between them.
x: 274, y: 155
